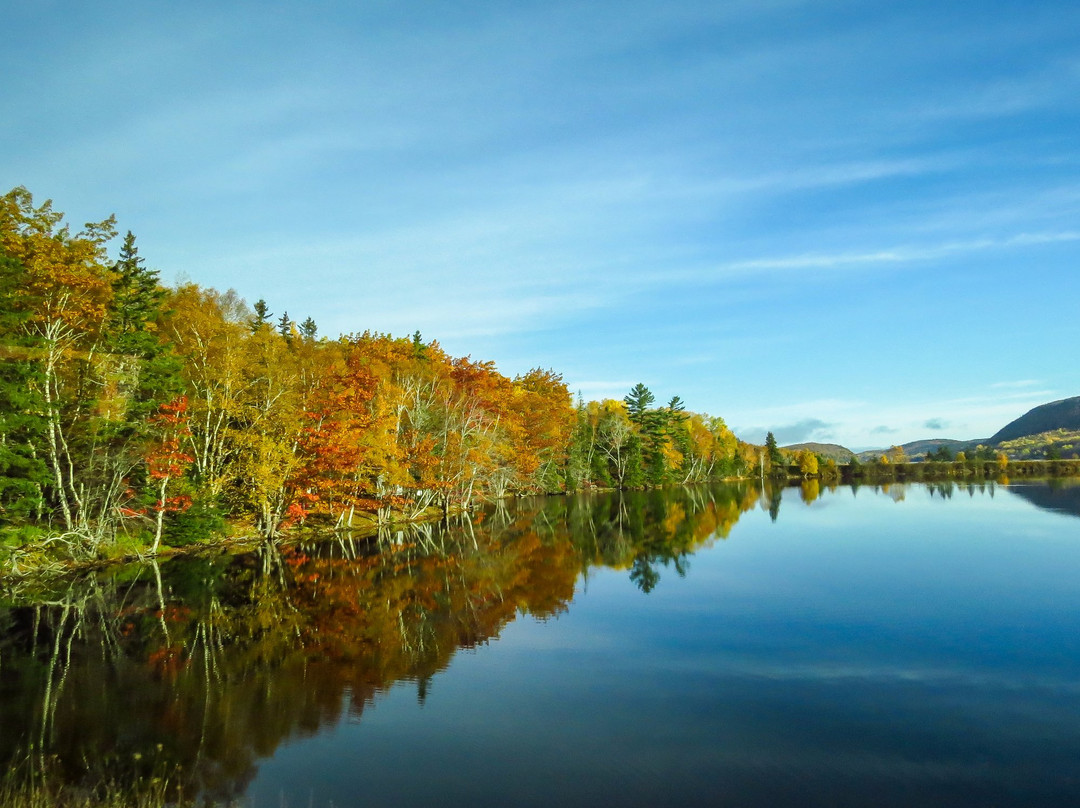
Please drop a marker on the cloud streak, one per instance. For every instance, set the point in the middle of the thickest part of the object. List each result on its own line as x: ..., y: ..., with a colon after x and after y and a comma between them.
x: 900, y: 255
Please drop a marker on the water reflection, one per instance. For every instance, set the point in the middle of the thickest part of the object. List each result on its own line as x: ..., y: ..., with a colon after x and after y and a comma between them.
x: 1062, y: 496
x: 205, y: 666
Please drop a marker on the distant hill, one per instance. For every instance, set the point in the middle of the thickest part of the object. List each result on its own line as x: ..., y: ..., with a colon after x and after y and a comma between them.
x: 917, y: 449
x: 1064, y: 414
x: 826, y: 450
x: 1046, y: 429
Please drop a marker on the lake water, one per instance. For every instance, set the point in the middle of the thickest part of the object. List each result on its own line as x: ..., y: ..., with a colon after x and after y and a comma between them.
x: 724, y: 645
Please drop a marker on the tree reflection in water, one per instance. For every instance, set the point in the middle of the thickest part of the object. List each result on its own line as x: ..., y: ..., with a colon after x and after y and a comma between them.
x: 202, y: 666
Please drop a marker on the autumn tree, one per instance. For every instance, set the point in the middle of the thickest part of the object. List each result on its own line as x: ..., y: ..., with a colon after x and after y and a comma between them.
x: 210, y: 330
x: 342, y: 461
x: 167, y: 461
x: 808, y: 463
x: 540, y: 402
x: 710, y: 448
x: 267, y: 430
x: 68, y: 280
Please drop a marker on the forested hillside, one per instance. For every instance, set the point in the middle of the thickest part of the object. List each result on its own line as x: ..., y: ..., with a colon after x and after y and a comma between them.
x: 1064, y: 414
x: 131, y: 412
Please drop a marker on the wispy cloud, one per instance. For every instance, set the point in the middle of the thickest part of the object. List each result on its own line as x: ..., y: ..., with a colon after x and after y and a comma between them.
x: 999, y: 400
x: 1020, y: 383
x: 801, y: 178
x: 936, y: 424
x: 900, y: 255
x: 1054, y: 84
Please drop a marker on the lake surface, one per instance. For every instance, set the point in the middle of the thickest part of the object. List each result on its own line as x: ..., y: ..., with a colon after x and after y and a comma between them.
x: 728, y: 645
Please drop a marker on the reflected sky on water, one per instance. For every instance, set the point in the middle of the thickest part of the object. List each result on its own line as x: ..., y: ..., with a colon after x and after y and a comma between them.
x: 898, y: 646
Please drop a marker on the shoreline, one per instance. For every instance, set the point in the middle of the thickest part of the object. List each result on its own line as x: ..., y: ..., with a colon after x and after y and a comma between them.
x: 39, y: 566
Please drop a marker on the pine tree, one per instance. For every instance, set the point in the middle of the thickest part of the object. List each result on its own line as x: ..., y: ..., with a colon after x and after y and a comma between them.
x: 262, y: 315
x: 308, y: 329
x: 773, y: 454
x: 136, y: 304
x: 637, y: 403
x: 144, y: 368
x: 285, y: 326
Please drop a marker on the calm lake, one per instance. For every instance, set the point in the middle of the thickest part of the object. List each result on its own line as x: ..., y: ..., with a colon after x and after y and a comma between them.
x: 727, y: 645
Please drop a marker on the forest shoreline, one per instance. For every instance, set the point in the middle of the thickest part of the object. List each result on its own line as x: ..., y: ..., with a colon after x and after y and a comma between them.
x: 137, y: 419
x: 36, y: 566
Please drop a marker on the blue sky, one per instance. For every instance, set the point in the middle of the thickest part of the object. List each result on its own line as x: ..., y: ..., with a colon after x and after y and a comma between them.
x: 843, y: 221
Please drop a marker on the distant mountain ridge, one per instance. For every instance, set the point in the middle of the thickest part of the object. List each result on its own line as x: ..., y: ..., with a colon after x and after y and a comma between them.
x: 1059, y: 417
x: 917, y: 449
x: 834, y: 450
x: 921, y: 447
x: 1063, y: 414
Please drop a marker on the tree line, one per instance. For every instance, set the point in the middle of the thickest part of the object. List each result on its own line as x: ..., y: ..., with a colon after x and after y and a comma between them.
x: 134, y: 412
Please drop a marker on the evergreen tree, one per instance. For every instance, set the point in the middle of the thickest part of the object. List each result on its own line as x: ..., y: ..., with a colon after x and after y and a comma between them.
x: 23, y: 473
x: 676, y: 417
x: 308, y: 328
x: 579, y: 454
x: 775, y: 495
x: 651, y: 425
x: 855, y: 465
x: 136, y: 304
x: 637, y: 403
x: 773, y: 454
x: 644, y: 574
x: 943, y: 454
x: 144, y: 369
x: 262, y: 315
x: 285, y: 326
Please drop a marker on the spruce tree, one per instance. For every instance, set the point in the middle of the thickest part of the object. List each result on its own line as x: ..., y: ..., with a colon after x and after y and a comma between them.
x: 136, y: 304
x: 773, y: 454
x: 144, y: 366
x: 262, y: 315
x: 285, y: 326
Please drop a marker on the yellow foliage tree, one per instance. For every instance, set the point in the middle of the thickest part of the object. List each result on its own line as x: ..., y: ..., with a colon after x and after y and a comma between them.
x: 808, y: 463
